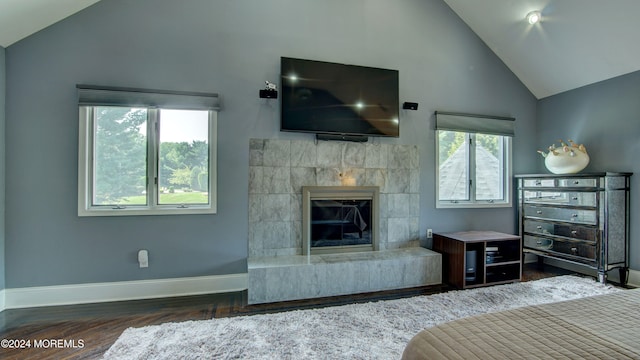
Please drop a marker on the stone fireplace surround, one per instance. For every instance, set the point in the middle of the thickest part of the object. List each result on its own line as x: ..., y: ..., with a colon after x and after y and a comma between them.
x: 278, y: 169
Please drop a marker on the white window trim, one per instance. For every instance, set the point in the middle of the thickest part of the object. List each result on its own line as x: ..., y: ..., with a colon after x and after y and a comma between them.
x: 85, y: 171
x: 472, y: 202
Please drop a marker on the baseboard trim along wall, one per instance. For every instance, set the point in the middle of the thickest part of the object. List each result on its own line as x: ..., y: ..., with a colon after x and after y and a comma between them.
x: 633, y: 279
x: 17, y: 298
x: 2, y: 295
x: 147, y: 289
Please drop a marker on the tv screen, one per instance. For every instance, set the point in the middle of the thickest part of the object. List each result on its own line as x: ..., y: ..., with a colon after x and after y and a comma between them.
x: 329, y: 98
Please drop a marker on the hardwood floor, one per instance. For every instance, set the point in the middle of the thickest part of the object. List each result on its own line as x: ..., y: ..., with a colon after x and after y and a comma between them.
x: 89, y: 330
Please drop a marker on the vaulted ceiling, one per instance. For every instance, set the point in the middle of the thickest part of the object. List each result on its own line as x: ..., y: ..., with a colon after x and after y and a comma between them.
x: 578, y: 42
x: 21, y: 18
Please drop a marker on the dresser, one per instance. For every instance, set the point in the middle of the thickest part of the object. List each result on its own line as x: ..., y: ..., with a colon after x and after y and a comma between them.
x: 581, y: 218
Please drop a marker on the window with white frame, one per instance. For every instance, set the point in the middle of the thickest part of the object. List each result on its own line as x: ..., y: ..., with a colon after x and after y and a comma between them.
x: 473, y: 160
x: 146, y: 152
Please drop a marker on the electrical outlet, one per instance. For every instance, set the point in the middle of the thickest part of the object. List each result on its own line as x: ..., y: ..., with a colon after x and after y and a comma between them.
x: 429, y: 233
x: 143, y: 258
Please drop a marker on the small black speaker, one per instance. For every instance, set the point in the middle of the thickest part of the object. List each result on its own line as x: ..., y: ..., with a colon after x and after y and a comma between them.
x: 268, y: 94
x: 470, y: 267
x: 410, y: 106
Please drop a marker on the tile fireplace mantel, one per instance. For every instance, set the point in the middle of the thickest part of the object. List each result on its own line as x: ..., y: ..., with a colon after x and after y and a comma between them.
x: 278, y: 169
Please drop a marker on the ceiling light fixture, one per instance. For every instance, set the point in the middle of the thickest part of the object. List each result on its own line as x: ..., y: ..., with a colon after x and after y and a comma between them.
x: 534, y: 17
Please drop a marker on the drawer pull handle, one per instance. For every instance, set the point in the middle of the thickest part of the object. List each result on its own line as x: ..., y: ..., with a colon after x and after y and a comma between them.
x: 574, y: 250
x: 574, y: 232
x: 539, y: 242
x: 539, y: 212
x: 574, y: 215
x: 574, y: 198
x: 538, y: 182
x: 576, y: 182
x: 539, y: 227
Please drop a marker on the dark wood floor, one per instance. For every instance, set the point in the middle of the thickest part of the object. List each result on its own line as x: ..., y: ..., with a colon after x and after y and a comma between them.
x: 93, y: 328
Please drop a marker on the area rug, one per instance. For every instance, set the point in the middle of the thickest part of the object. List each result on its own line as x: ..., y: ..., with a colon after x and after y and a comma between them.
x: 375, y: 330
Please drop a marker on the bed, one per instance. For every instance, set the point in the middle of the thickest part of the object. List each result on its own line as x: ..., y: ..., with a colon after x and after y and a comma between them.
x: 598, y: 327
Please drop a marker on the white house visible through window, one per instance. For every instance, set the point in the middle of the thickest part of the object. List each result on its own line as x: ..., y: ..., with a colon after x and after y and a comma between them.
x: 473, y: 160
x: 146, y: 160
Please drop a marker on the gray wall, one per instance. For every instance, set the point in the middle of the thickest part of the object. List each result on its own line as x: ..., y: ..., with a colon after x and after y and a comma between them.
x: 230, y: 47
x: 2, y: 137
x: 605, y: 117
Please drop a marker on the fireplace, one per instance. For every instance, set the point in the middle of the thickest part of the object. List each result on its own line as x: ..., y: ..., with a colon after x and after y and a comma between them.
x: 339, y: 219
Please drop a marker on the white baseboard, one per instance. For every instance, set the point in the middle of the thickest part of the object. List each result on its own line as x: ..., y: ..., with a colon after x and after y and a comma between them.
x: 633, y: 279
x: 17, y: 298
x: 2, y: 294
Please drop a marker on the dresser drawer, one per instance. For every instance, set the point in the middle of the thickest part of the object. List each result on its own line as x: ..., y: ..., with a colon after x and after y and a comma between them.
x: 577, y: 232
x: 573, y: 198
x: 539, y: 183
x: 579, y: 216
x: 573, y: 249
x: 537, y: 243
x: 580, y: 182
x: 560, y: 182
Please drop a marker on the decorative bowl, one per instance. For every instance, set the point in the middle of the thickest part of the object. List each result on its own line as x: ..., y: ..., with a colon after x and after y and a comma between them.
x: 566, y: 159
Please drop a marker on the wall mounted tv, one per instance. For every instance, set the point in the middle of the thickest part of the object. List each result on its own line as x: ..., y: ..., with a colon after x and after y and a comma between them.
x: 338, y: 101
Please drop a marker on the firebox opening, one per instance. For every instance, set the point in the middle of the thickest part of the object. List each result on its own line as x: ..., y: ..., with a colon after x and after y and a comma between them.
x: 339, y: 219
x: 340, y: 222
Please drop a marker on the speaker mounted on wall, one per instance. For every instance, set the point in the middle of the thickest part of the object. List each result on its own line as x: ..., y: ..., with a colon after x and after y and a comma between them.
x: 410, y: 106
x: 268, y: 94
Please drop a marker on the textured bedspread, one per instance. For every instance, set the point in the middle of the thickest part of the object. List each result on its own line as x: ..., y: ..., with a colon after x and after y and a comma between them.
x: 598, y: 327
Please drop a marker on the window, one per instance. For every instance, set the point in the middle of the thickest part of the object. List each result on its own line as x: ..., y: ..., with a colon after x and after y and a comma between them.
x: 473, y: 160
x: 146, y: 152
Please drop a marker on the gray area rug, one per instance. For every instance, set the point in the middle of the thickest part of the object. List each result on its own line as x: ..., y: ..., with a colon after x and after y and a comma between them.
x: 375, y: 330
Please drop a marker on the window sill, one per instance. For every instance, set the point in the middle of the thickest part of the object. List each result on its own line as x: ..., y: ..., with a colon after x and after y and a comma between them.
x: 140, y: 211
x: 467, y: 205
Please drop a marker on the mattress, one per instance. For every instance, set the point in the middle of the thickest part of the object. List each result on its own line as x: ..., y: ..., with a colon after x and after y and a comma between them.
x: 598, y: 327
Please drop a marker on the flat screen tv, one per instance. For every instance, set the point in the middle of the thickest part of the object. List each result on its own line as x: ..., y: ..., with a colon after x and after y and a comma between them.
x: 338, y: 99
